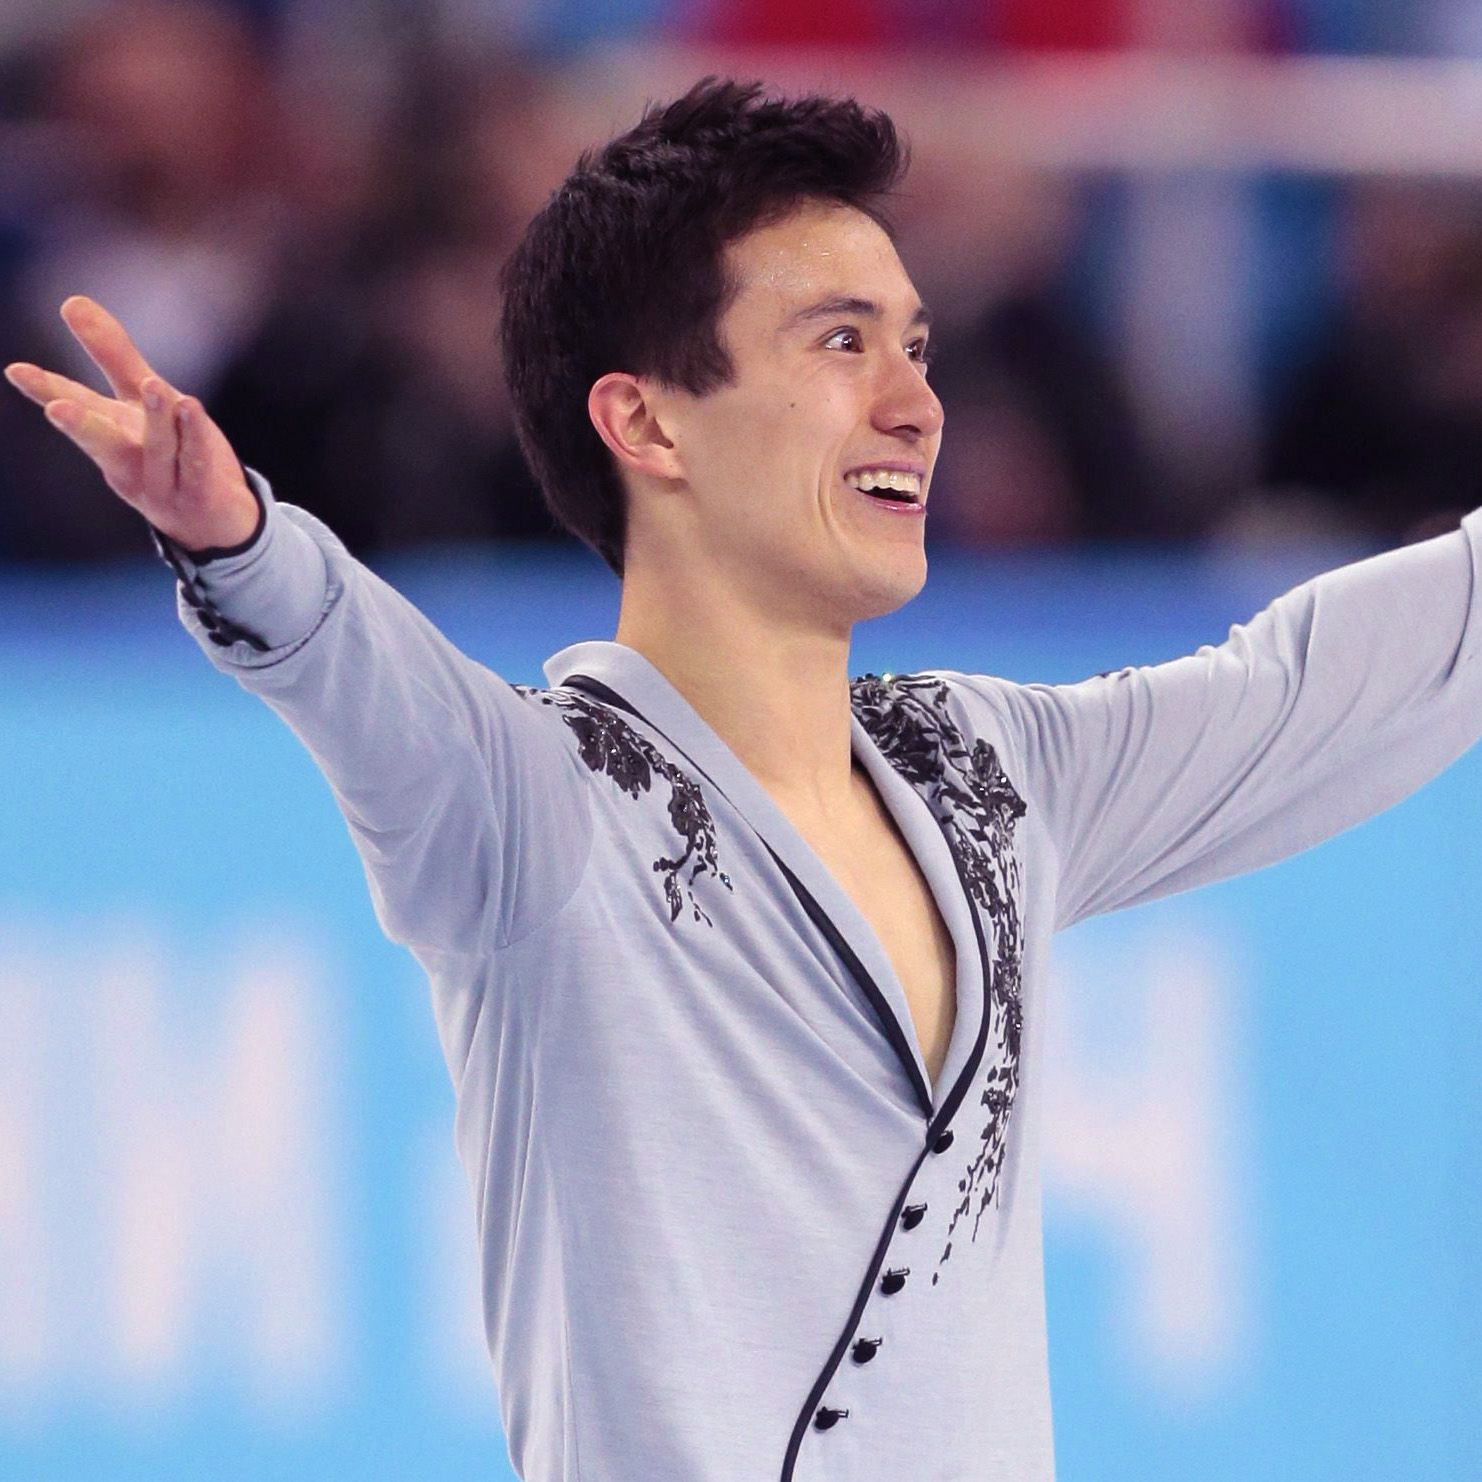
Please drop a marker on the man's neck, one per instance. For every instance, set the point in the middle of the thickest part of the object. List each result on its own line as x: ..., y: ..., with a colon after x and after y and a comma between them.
x: 775, y: 691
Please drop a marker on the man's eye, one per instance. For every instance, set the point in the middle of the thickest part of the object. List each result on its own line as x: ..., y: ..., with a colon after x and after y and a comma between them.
x: 922, y: 351
x: 846, y: 334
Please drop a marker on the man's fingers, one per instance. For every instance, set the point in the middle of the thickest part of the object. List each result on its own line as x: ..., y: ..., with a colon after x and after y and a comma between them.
x: 156, y: 449
x: 101, y: 438
x: 161, y: 438
x: 108, y: 343
x: 43, y: 386
x: 194, y: 463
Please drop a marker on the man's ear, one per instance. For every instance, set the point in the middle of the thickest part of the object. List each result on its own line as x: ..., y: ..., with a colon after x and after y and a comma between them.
x: 622, y: 411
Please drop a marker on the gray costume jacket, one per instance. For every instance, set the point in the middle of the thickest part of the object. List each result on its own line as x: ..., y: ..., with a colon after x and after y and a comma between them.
x: 729, y: 1229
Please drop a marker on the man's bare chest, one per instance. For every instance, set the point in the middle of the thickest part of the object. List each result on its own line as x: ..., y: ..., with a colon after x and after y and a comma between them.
x: 871, y: 861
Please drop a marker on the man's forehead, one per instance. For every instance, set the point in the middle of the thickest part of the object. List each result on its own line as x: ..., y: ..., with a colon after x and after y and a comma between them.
x: 821, y: 255
x: 853, y: 306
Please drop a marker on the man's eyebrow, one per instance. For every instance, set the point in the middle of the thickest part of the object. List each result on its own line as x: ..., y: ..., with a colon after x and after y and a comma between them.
x: 850, y: 305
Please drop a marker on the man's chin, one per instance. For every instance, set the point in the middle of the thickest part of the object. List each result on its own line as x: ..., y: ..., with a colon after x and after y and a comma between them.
x: 887, y: 587
x: 844, y: 587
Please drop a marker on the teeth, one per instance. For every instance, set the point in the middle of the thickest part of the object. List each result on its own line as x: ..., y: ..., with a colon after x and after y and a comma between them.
x: 883, y: 478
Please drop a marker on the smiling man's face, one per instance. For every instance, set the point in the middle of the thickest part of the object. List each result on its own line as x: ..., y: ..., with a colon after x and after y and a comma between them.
x: 827, y: 337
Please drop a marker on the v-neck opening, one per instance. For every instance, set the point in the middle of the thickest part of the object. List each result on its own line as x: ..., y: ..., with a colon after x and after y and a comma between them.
x: 633, y: 677
x: 928, y: 848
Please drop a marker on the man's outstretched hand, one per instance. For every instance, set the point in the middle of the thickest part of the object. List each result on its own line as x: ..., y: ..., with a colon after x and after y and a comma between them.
x: 156, y: 449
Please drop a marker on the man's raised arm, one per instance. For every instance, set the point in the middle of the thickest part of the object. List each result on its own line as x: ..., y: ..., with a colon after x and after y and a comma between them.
x: 442, y: 771
x: 1338, y: 700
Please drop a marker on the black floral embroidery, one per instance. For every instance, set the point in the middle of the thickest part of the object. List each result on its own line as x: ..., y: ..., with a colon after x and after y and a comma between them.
x: 608, y: 744
x: 978, y: 809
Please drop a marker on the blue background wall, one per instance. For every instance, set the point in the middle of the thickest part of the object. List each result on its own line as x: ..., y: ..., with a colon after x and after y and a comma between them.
x: 234, y: 1238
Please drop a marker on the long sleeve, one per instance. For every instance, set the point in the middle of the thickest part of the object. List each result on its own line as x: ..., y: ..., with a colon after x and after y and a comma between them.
x: 460, y: 795
x: 1334, y: 703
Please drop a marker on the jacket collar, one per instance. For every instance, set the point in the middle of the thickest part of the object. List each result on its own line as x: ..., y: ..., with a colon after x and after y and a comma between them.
x: 631, y: 676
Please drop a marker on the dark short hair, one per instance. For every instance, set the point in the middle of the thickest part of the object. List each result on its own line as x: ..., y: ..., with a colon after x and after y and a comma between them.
x: 624, y: 268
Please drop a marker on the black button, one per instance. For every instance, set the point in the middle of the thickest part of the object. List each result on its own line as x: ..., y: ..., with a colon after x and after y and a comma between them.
x: 864, y: 1349
x: 911, y: 1216
x: 826, y: 1417
x: 207, y: 617
x: 943, y: 1142
x: 893, y: 1281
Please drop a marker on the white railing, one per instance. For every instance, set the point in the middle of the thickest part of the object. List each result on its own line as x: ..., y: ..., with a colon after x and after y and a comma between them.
x: 1128, y: 111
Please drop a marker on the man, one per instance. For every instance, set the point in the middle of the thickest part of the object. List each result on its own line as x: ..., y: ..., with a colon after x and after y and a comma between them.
x: 739, y: 968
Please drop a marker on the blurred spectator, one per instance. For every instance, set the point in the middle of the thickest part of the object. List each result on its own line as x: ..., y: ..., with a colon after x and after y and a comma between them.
x: 1383, y: 427
x: 331, y: 296
x: 165, y: 151
x: 1042, y: 443
x: 372, y: 392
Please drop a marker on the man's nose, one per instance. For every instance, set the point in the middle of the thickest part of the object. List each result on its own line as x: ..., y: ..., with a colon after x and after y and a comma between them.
x: 906, y: 404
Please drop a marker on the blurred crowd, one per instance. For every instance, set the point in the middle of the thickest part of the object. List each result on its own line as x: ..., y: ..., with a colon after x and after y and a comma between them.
x: 300, y: 210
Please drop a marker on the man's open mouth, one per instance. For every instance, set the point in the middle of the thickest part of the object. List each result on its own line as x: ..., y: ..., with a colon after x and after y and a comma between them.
x: 893, y: 486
